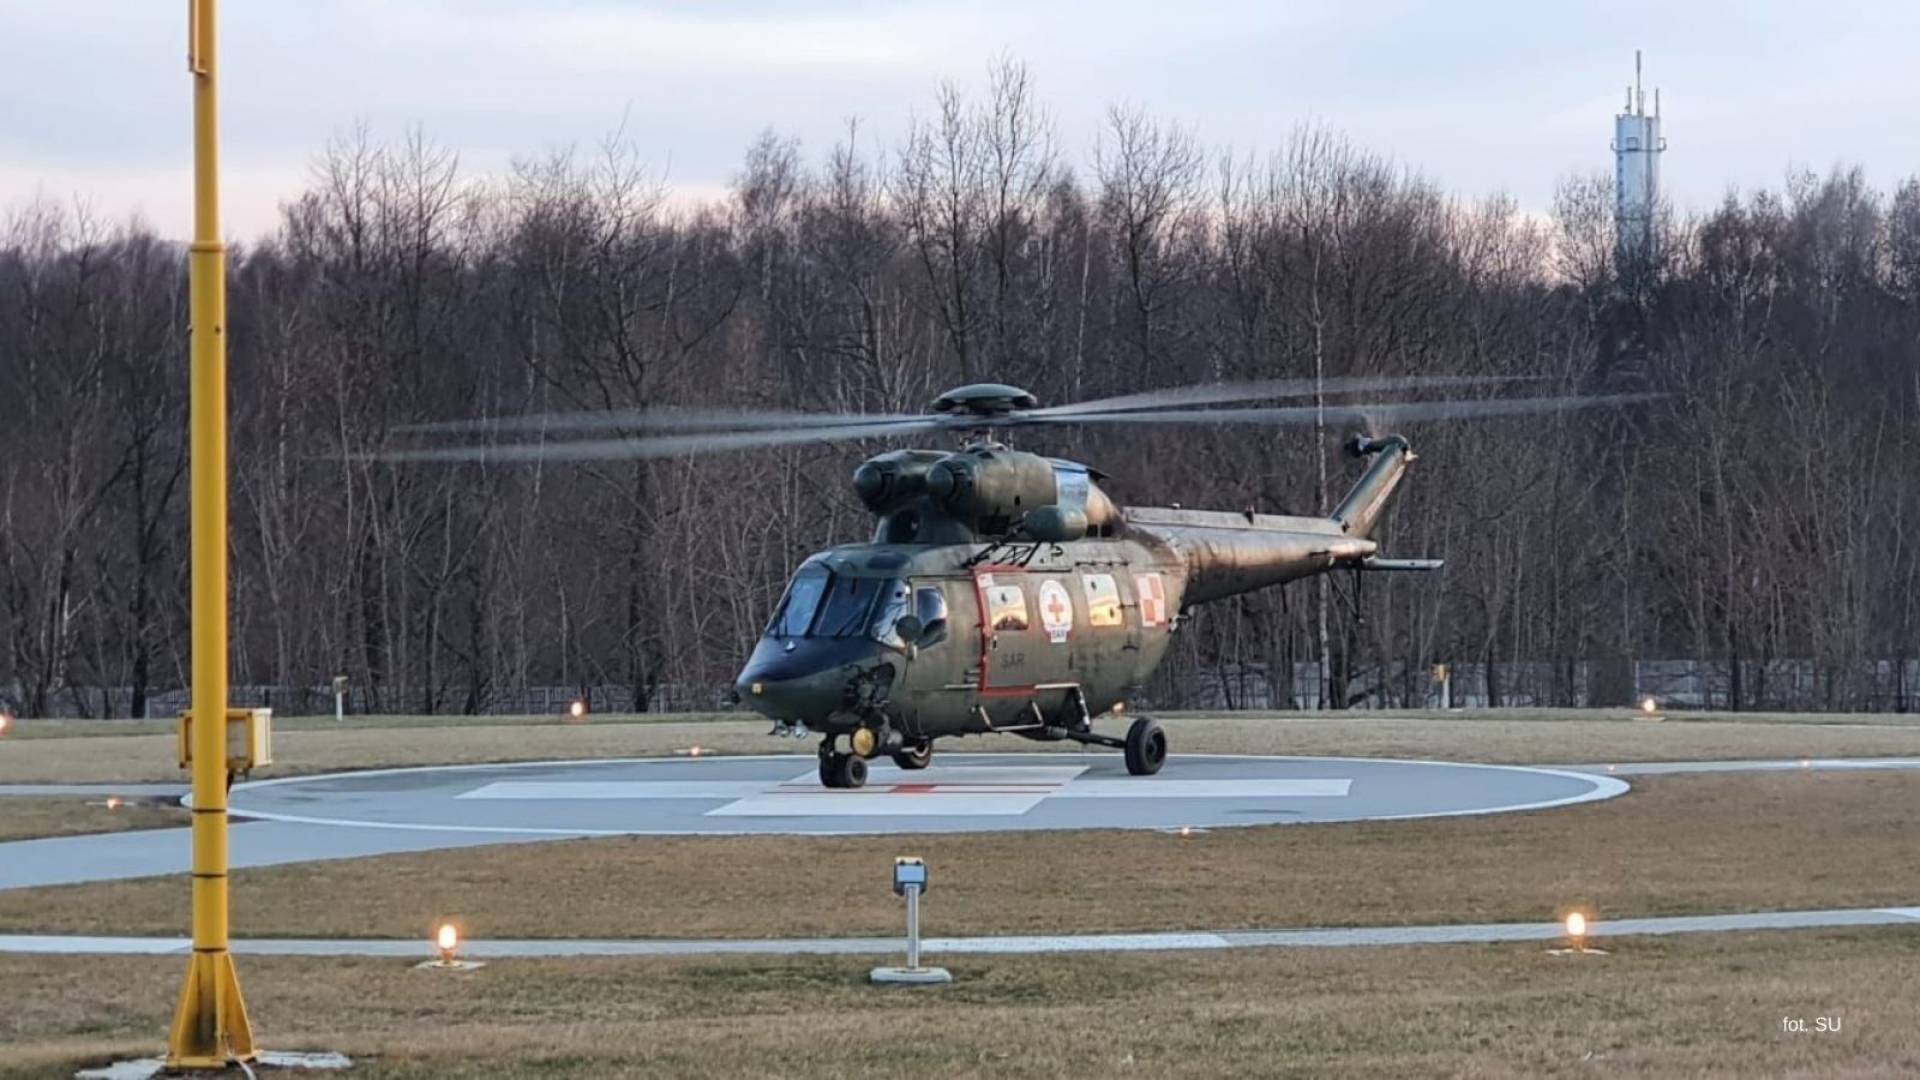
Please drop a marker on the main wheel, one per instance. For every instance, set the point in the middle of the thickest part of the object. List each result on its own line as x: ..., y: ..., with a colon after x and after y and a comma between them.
x: 914, y: 755
x: 849, y: 772
x: 830, y: 769
x: 1146, y: 747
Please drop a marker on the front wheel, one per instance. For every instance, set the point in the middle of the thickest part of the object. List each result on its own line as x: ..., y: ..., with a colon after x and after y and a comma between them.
x: 842, y: 771
x: 1146, y: 747
x: 914, y: 756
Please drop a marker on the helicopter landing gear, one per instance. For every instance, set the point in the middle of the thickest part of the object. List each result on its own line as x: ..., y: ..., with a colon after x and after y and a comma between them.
x: 839, y: 770
x: 914, y: 755
x: 1146, y: 748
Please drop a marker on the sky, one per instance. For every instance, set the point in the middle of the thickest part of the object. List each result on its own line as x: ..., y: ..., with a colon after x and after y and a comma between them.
x: 1480, y: 97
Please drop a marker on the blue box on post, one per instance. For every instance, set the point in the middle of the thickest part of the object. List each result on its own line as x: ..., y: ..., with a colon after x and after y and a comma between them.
x: 909, y: 870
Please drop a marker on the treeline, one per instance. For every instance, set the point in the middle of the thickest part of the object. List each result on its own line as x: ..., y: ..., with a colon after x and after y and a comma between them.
x: 1760, y: 518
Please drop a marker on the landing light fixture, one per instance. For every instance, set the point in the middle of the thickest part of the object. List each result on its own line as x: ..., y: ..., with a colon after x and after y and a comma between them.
x: 1576, y: 928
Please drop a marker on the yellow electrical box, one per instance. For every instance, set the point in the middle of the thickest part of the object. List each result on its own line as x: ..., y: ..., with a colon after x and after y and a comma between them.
x: 249, y: 739
x: 1439, y: 673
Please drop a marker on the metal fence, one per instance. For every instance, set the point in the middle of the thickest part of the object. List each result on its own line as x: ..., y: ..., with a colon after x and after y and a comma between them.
x: 1775, y: 685
x: 86, y: 701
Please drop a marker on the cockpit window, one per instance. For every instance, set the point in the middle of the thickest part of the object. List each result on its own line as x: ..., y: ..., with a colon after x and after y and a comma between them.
x: 803, y: 599
x: 849, y: 602
x: 893, y: 604
x: 828, y: 605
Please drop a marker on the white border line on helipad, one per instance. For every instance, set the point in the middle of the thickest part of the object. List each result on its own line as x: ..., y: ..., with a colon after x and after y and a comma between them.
x: 1603, y: 787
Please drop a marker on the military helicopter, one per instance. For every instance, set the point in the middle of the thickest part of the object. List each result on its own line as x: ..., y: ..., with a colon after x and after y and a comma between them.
x: 1003, y: 591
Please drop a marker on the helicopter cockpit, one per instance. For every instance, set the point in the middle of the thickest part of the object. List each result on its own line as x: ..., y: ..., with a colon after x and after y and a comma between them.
x: 836, y: 638
x: 822, y: 603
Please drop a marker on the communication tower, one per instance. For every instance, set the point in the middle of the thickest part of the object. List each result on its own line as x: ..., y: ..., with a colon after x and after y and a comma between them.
x: 1637, y: 146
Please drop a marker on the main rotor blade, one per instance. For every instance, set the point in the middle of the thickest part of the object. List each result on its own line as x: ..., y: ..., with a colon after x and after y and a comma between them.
x: 1263, y: 389
x: 1293, y: 415
x: 658, y: 420
x: 705, y: 419
x: 657, y: 446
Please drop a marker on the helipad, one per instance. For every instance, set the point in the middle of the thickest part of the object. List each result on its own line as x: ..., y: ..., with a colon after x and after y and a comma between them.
x: 961, y: 793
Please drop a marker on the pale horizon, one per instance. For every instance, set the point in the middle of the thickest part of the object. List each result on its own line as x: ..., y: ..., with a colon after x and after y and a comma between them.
x: 1493, y: 98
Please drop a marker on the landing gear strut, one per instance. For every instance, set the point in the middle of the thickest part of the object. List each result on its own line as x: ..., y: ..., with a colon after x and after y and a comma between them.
x: 1145, y: 746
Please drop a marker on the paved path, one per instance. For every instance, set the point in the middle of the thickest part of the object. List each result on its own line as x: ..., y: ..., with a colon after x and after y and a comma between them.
x: 1662, y: 768
x: 964, y: 946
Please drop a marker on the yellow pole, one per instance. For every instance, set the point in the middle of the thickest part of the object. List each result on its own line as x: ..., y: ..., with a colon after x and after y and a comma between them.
x: 210, y: 1028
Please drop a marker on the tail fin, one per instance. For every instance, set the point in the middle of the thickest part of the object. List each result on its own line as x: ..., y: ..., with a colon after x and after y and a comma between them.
x: 1359, y: 513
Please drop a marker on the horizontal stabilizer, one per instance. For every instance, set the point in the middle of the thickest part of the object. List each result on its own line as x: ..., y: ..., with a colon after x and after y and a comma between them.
x: 1401, y: 565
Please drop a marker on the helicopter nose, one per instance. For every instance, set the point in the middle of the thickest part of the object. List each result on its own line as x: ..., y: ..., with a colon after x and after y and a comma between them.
x: 799, y: 697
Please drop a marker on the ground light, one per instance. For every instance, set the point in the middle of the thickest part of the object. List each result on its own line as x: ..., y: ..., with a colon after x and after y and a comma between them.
x: 6, y: 722
x: 446, y: 947
x: 1650, y: 709
x: 578, y: 710
x: 1576, y: 929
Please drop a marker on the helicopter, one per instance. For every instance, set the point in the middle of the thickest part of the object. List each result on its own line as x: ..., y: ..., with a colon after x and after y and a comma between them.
x: 1003, y: 591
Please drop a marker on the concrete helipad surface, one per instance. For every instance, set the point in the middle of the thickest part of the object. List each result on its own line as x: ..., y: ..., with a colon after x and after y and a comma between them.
x: 961, y: 793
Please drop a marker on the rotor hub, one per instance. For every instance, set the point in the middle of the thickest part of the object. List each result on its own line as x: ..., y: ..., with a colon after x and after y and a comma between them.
x: 985, y: 400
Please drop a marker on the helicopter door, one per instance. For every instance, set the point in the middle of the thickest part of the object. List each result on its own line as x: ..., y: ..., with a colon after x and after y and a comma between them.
x: 1026, y: 621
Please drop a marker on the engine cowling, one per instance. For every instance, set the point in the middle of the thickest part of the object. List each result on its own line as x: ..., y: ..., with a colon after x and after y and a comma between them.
x: 984, y: 491
x: 887, y: 480
x: 992, y: 486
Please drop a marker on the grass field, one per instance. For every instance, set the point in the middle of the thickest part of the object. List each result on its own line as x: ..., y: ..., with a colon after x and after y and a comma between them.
x: 92, y: 751
x: 24, y: 818
x: 1676, y: 845
x: 1692, y: 1006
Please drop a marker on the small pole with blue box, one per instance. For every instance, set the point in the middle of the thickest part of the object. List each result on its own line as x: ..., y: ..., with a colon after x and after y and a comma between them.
x: 910, y: 880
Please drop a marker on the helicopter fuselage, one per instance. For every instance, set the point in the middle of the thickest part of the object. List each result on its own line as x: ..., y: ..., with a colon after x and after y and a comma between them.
x: 1005, y: 592
x: 1034, y: 637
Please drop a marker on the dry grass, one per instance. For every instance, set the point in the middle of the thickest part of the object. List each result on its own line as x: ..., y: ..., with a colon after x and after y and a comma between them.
x: 74, y: 728
x: 24, y: 818
x: 1683, y: 844
x: 1694, y: 1006
x: 87, y: 754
